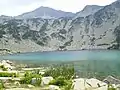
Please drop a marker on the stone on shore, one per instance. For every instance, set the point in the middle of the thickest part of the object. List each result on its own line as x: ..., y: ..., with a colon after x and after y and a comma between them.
x: 54, y: 87
x: 46, y: 80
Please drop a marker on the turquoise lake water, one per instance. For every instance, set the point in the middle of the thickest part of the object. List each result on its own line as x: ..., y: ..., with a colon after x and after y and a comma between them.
x: 66, y: 55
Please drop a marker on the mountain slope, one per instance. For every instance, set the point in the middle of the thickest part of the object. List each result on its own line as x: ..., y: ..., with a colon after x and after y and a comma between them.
x: 46, y: 12
x: 88, y: 10
x: 98, y: 31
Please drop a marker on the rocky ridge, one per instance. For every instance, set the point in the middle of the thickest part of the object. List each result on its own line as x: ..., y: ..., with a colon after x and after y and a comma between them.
x: 100, y: 30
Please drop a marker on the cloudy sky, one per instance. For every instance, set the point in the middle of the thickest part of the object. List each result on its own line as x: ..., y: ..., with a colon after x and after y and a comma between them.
x: 17, y: 7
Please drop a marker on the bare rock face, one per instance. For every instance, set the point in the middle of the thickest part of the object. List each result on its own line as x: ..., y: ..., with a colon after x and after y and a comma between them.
x: 100, y: 30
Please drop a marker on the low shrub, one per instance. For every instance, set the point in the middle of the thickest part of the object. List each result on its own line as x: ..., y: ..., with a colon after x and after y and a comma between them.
x: 60, y: 81
x: 28, y: 78
x: 69, y: 86
x: 63, y: 70
x: 5, y: 74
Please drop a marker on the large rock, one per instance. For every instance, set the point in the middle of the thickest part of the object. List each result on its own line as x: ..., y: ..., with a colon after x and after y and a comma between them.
x: 31, y: 86
x: 53, y: 87
x: 7, y: 64
x: 16, y: 83
x: 89, y: 84
x: 111, y: 80
x: 46, y: 80
x: 34, y: 80
x: 102, y: 88
x: 42, y: 73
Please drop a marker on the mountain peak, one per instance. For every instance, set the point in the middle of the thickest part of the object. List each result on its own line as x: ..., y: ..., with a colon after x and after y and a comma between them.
x: 43, y: 7
x: 47, y: 13
x: 88, y: 10
x: 92, y: 7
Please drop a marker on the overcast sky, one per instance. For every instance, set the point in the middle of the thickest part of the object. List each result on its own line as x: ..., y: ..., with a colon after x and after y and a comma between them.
x: 17, y: 7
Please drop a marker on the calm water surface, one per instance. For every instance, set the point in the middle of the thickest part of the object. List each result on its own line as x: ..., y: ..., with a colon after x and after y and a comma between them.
x: 66, y: 55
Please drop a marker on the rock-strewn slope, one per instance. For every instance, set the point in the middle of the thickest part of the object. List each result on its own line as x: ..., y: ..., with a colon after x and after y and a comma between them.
x: 98, y: 31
